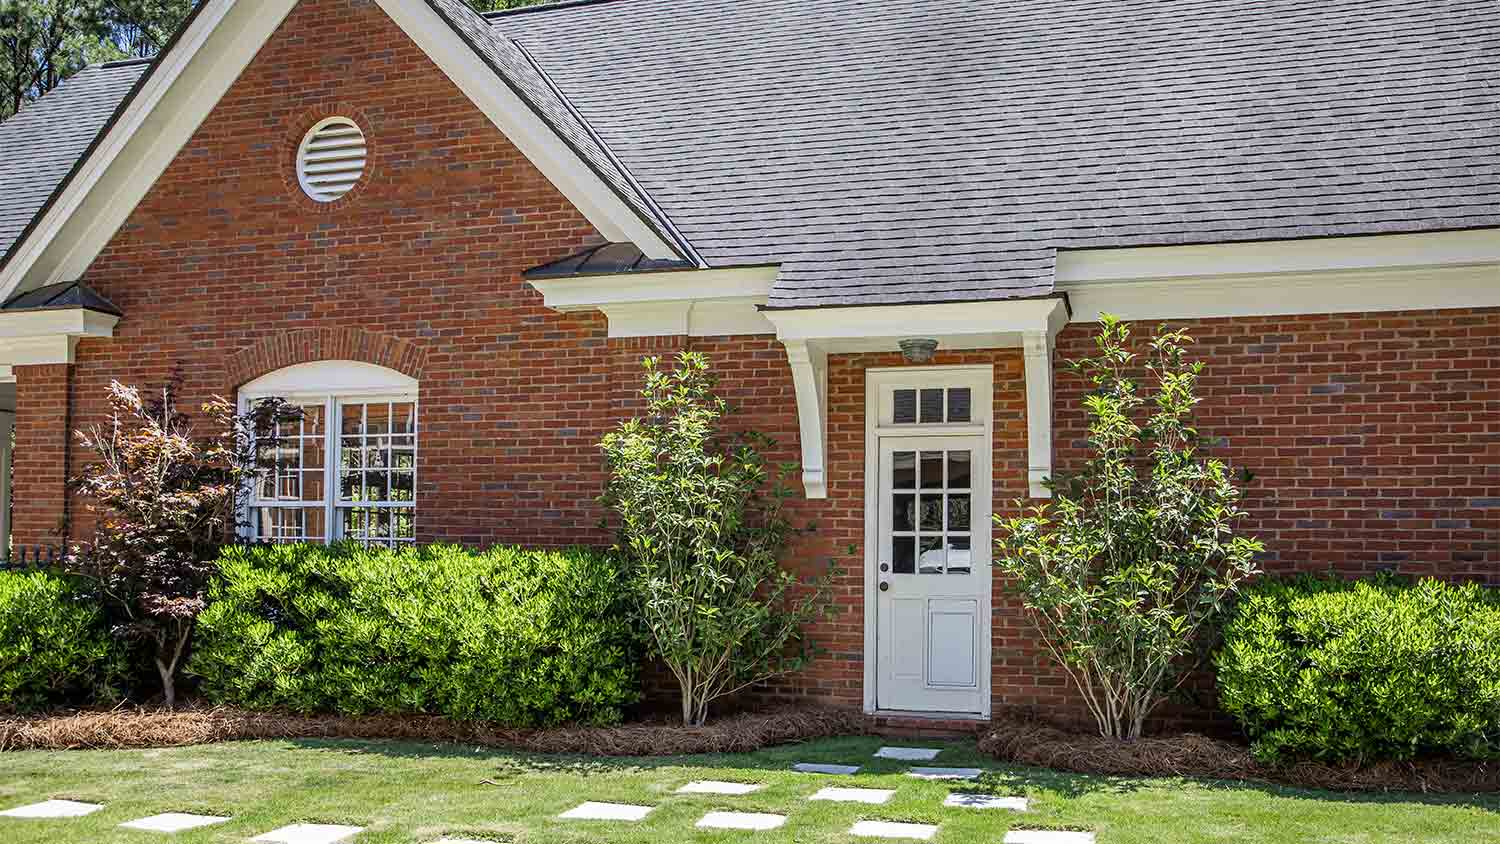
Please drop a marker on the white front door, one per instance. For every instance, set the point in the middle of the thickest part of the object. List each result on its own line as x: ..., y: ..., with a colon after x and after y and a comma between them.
x: 933, y: 574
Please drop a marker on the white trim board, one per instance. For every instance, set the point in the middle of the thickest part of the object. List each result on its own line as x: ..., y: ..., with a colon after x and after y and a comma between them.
x: 211, y: 54
x: 1279, y: 278
x: 696, y: 303
x: 47, y: 336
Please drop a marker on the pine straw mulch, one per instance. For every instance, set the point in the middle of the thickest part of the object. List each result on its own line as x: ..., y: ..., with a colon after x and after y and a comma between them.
x: 1192, y: 755
x: 143, y: 728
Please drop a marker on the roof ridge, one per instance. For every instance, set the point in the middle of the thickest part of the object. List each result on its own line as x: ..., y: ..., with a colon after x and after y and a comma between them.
x: 127, y: 62
x: 673, y: 232
x: 540, y: 7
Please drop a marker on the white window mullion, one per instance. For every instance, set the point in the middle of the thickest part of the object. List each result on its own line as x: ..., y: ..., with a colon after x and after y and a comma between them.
x: 333, y: 456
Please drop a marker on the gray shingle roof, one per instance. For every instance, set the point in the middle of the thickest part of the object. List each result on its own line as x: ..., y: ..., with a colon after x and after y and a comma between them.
x: 932, y: 150
x: 531, y: 84
x: 67, y: 294
x: 42, y: 142
x: 609, y: 259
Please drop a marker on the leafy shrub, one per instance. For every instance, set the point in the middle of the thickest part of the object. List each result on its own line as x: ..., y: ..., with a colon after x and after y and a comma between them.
x: 704, y: 537
x: 509, y: 635
x: 1359, y: 671
x: 1126, y: 575
x: 53, y: 644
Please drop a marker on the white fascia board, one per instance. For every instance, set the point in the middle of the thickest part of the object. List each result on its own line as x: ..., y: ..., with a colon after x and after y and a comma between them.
x: 76, y: 322
x: 1328, y: 275
x: 531, y: 135
x: 587, y: 293
x: 164, y: 114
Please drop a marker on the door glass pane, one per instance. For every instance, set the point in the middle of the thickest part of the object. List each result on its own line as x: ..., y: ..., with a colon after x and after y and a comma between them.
x: 958, y: 512
x: 904, y: 470
x: 932, y: 513
x: 905, y: 410
x: 932, y: 406
x: 958, y: 555
x: 903, y: 554
x: 904, y: 516
x: 932, y: 556
x: 958, y: 404
x: 932, y: 470
x: 958, y: 469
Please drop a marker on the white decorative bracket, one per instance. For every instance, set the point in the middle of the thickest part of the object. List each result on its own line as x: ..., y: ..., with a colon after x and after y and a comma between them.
x: 810, y: 377
x: 1037, y: 346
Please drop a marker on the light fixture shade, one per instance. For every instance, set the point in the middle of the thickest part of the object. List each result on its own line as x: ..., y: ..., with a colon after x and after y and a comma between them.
x: 918, y: 349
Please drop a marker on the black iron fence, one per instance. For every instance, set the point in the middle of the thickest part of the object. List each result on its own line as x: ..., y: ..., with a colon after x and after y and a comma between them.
x: 31, y: 557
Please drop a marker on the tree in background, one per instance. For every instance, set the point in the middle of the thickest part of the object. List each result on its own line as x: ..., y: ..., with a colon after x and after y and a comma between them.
x: 43, y: 42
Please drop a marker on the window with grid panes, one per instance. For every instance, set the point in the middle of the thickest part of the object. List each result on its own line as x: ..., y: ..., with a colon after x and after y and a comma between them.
x: 354, y: 479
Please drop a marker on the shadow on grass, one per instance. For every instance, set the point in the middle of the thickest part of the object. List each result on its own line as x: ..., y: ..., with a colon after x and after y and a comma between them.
x: 1000, y: 779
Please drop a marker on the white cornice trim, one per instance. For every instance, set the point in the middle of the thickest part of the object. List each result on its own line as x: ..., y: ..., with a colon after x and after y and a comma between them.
x: 536, y: 140
x: 811, y: 335
x: 165, y: 112
x: 695, y: 303
x: 44, y: 337
x: 1330, y: 275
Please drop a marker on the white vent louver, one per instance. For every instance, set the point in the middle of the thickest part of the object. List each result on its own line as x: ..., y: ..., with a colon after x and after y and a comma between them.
x: 331, y: 158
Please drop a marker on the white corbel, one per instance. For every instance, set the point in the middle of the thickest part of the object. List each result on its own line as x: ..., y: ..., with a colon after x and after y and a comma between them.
x: 810, y: 377
x: 1037, y: 346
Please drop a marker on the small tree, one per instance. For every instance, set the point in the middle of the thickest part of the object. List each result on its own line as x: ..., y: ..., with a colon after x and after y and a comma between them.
x: 1135, y: 561
x: 704, y: 540
x: 165, y: 501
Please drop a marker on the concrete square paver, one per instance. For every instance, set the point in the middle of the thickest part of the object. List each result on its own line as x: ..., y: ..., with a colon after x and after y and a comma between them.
x: 592, y: 811
x: 985, y: 801
x: 908, y: 754
x: 820, y: 768
x: 893, y: 829
x: 945, y: 773
x: 173, y: 822
x: 1047, y: 836
x: 310, y: 833
x: 741, y: 820
x: 53, y: 809
x: 873, y: 796
x: 719, y: 787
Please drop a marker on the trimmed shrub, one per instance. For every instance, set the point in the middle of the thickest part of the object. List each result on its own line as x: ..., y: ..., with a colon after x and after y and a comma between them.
x: 1361, y: 671
x: 513, y: 636
x: 53, y: 645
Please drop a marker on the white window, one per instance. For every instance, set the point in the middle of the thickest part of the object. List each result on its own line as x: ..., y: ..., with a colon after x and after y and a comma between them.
x: 348, y: 468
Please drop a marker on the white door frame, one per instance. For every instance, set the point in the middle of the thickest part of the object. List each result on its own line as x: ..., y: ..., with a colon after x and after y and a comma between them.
x: 981, y: 379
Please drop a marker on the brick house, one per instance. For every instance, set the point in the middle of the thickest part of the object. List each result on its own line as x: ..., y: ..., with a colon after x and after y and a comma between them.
x: 453, y: 237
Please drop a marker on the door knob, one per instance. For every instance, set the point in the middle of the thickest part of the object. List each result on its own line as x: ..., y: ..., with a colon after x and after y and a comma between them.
x: 885, y: 585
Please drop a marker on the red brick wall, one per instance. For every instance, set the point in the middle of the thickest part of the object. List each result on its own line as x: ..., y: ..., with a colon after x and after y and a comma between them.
x: 39, y: 462
x: 1374, y: 439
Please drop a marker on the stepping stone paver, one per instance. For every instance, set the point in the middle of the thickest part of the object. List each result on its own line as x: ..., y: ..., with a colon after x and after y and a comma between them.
x: 719, y: 787
x: 820, y: 768
x: 985, y: 801
x: 310, y: 833
x: 1047, y: 836
x: 53, y: 809
x: 945, y: 773
x: 592, y: 811
x: 873, y: 796
x: 173, y: 822
x: 893, y: 829
x: 741, y: 820
x: 908, y: 754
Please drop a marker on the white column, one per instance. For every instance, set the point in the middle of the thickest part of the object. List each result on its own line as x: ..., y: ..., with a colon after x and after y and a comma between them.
x: 7, y: 427
x: 1038, y: 349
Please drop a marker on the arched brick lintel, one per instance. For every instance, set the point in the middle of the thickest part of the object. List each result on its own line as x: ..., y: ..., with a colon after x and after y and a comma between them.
x: 289, y: 348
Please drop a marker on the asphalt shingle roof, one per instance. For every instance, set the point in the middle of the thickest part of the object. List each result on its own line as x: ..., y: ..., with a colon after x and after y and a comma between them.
x: 887, y: 151
x: 42, y: 142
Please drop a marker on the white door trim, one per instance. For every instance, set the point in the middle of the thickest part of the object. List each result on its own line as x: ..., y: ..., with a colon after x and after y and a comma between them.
x: 982, y: 380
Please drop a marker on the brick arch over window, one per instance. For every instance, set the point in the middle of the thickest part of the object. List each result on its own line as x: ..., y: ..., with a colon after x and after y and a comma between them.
x: 289, y: 348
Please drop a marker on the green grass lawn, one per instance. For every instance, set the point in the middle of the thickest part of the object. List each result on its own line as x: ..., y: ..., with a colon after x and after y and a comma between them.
x: 414, y: 793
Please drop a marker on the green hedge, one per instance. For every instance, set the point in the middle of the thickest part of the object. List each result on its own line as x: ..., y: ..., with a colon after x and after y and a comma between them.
x: 1360, y: 671
x: 53, y: 644
x: 508, y: 635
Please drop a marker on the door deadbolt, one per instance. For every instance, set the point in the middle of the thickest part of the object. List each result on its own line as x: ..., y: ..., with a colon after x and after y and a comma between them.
x: 885, y: 566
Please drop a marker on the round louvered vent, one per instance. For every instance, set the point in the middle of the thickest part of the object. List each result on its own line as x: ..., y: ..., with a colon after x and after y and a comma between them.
x: 331, y: 158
